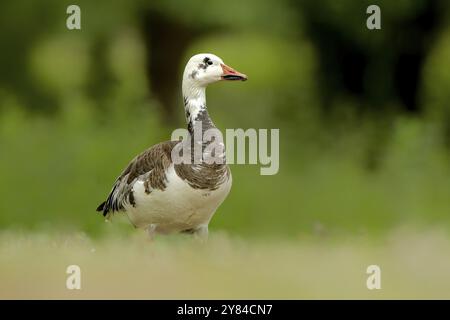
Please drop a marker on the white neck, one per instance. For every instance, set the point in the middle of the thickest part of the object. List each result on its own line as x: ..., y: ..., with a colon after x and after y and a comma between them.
x: 197, y: 116
x: 194, y: 99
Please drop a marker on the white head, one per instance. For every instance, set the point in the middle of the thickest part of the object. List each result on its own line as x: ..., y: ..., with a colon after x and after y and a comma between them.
x: 201, y: 70
x: 205, y: 68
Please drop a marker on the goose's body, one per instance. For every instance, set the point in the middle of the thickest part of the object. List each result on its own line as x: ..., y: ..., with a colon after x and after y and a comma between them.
x: 190, y: 208
x: 163, y: 196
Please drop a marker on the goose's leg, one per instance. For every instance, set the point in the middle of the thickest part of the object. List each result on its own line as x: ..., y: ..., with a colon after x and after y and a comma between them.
x: 151, y: 230
x: 201, y: 233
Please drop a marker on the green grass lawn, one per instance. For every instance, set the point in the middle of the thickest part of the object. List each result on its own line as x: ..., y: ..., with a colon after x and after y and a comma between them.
x: 413, y: 265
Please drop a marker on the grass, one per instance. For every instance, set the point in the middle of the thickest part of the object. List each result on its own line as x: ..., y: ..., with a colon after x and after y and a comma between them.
x: 413, y: 265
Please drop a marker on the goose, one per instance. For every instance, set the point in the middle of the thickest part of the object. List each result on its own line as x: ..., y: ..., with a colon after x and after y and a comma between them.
x: 163, y: 196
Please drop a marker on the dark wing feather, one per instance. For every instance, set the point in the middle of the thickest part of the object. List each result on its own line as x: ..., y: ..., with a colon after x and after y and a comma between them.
x: 150, y: 167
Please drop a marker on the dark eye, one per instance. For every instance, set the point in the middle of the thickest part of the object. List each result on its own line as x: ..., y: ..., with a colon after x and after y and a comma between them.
x: 207, y: 61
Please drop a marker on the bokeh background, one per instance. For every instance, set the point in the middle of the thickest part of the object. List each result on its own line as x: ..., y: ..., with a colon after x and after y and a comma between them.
x: 364, y: 116
x: 364, y: 119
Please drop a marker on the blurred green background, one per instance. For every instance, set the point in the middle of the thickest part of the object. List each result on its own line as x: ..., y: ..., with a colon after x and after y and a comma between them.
x: 364, y: 116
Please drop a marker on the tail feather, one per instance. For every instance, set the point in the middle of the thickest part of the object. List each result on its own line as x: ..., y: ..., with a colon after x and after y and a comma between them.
x: 111, y: 204
x: 101, y: 207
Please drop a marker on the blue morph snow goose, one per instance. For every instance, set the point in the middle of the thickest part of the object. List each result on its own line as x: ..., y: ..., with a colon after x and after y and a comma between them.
x: 162, y: 196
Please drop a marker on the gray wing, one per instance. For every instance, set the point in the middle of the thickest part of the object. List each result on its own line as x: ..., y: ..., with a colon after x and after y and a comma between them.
x: 150, y: 167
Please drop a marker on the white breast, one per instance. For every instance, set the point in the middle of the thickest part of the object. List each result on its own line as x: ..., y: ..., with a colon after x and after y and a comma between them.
x: 179, y: 207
